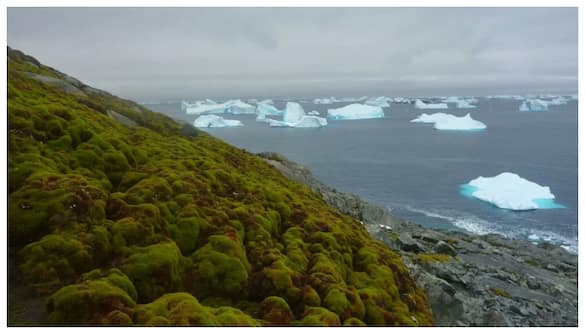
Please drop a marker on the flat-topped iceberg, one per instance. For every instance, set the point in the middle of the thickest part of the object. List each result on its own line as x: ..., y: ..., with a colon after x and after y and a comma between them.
x: 294, y: 117
x: 419, y: 104
x: 534, y: 105
x: 382, y: 102
x: 214, y: 121
x: 355, y: 112
x: 450, y: 122
x: 211, y: 107
x: 510, y: 191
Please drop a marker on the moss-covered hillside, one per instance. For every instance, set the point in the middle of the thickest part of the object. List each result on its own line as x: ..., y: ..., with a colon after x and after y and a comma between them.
x: 118, y: 215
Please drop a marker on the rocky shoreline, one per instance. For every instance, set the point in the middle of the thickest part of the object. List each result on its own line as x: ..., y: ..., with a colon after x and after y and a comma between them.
x: 469, y: 280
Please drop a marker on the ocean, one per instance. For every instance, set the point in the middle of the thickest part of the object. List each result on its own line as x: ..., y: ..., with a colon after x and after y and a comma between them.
x: 416, y: 171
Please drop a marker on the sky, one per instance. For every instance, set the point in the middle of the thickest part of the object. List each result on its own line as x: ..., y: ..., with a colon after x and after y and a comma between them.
x: 149, y: 54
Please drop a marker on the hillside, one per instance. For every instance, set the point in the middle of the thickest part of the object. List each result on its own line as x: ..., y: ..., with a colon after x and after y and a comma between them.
x: 119, y: 215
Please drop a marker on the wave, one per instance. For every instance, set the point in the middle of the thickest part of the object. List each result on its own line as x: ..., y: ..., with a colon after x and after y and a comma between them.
x: 475, y: 225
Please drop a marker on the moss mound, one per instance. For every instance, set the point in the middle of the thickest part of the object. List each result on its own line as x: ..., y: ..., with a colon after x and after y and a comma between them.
x: 121, y: 224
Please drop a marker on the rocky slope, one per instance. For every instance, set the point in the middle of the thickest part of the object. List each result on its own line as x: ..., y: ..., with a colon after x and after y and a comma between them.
x: 121, y: 216
x: 469, y: 280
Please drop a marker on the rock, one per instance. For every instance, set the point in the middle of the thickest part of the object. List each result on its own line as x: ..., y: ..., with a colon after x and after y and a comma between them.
x: 62, y: 85
x: 444, y: 248
x: 495, y: 318
x: 446, y: 306
x: 532, y: 283
x: 408, y: 244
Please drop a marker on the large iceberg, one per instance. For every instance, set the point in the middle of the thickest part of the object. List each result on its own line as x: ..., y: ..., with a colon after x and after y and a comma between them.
x: 419, y: 104
x: 355, y: 112
x: 294, y: 117
x: 214, y: 121
x: 382, y: 102
x: 533, y: 105
x: 510, y: 191
x: 450, y: 122
x: 267, y: 109
x: 211, y: 107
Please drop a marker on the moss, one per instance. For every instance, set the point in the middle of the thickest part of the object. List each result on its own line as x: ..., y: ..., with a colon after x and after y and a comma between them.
x: 185, y: 232
x: 354, y: 322
x: 424, y: 258
x: 90, y: 302
x: 310, y: 297
x: 182, y: 309
x: 500, y: 292
x: 275, y: 311
x: 114, y: 277
x: 54, y: 260
x: 155, y: 270
x: 345, y: 302
x: 221, y: 267
x: 318, y: 316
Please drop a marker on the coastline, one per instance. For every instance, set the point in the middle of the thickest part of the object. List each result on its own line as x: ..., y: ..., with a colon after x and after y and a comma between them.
x: 485, y: 280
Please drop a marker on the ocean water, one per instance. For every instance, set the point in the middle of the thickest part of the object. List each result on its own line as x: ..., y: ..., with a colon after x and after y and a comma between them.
x: 416, y: 171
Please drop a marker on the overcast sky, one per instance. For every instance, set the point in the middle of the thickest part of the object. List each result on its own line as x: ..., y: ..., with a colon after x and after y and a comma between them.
x: 156, y: 53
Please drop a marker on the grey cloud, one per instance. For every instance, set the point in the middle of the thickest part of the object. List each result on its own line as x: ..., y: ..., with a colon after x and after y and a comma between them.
x: 162, y: 53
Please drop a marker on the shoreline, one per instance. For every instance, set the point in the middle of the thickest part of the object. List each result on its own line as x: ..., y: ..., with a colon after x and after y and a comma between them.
x: 468, y: 279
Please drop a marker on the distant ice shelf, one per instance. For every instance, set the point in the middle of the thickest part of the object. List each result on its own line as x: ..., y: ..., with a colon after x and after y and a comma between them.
x: 510, y: 191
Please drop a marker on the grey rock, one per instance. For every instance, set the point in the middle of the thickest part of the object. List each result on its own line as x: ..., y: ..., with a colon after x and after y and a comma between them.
x: 444, y: 248
x: 61, y: 84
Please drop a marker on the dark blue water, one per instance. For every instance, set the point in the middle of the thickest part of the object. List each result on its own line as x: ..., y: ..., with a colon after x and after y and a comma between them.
x: 416, y: 171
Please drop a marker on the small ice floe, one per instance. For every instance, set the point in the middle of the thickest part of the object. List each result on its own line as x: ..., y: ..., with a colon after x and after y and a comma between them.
x: 355, y: 112
x: 450, y: 122
x: 419, y: 104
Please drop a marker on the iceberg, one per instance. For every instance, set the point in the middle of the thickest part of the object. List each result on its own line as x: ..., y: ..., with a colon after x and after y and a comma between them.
x: 267, y: 109
x: 355, y: 112
x: 323, y: 101
x: 294, y: 117
x: 210, y: 107
x: 419, y: 104
x: 534, y: 105
x: 450, y: 122
x: 261, y: 117
x: 306, y: 121
x: 313, y: 112
x: 214, y: 121
x: 464, y: 104
x: 510, y: 191
x: 380, y: 102
x: 266, y: 102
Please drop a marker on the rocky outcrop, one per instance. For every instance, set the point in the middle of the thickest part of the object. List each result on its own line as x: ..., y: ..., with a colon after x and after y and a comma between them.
x: 483, y: 280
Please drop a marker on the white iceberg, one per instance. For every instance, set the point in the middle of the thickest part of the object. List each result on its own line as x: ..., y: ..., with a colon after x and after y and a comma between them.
x: 313, y: 112
x: 382, y: 102
x: 267, y: 109
x: 450, y: 122
x: 306, y: 121
x: 214, y: 121
x: 510, y: 191
x: 210, y: 107
x: 465, y: 104
x: 293, y: 112
x: 266, y: 101
x: 533, y: 105
x: 323, y: 101
x: 419, y: 104
x: 261, y: 117
x: 355, y: 112
x: 294, y: 117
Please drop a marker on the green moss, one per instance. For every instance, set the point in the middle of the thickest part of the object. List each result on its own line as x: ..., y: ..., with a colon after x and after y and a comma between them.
x: 500, y: 292
x: 182, y: 309
x: 90, y: 302
x: 185, y: 232
x: 318, y: 316
x: 424, y: 258
x: 54, y: 260
x: 345, y: 302
x: 354, y: 322
x: 275, y: 311
x: 155, y: 270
